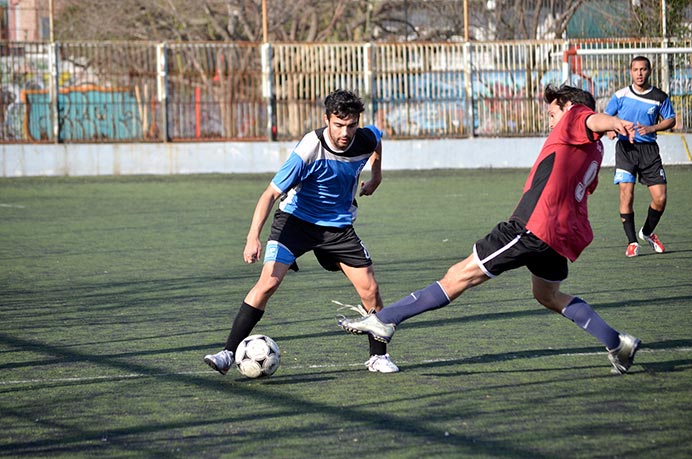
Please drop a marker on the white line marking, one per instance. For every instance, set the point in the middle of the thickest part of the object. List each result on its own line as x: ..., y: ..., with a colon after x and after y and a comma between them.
x: 291, y: 367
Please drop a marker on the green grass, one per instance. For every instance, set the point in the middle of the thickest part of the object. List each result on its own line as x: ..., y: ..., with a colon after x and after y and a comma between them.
x: 112, y: 290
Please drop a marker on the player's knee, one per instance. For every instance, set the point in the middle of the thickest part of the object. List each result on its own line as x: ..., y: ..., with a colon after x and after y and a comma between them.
x: 659, y: 203
x: 268, y: 287
x: 369, y: 292
x: 545, y: 298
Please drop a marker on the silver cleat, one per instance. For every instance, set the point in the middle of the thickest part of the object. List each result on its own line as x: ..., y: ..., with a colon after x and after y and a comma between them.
x: 221, y: 361
x: 369, y: 324
x: 622, y: 357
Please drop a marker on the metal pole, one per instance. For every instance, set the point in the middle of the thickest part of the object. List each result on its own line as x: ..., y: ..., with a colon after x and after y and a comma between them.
x: 51, y: 11
x: 162, y: 87
x: 54, y: 90
x: 54, y: 87
x: 265, y: 37
x: 466, y: 20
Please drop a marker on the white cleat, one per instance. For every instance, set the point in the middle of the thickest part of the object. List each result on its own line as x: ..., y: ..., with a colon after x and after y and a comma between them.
x: 381, y: 364
x: 221, y: 361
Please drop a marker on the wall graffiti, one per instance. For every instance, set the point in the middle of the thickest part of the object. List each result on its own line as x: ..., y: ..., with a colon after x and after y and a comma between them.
x: 84, y: 113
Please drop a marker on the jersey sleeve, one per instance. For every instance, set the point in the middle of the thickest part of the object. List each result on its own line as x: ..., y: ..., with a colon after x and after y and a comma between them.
x: 290, y: 173
x: 378, y: 134
x: 667, y: 110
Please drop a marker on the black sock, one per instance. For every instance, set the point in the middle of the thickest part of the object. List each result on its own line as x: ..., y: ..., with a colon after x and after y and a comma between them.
x: 377, y: 347
x: 652, y: 220
x: 245, y: 320
x: 628, y: 225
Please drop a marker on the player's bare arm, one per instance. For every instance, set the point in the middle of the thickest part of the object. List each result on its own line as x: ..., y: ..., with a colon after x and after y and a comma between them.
x: 253, y: 245
x: 369, y: 187
x: 600, y: 122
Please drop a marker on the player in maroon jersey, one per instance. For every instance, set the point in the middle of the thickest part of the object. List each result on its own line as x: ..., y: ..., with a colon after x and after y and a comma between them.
x: 549, y: 226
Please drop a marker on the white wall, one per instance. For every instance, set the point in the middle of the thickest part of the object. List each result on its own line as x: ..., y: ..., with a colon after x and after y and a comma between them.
x: 252, y: 157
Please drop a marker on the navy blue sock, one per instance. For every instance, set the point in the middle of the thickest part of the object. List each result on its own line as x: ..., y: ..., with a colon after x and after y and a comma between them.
x: 427, y: 299
x: 579, y: 312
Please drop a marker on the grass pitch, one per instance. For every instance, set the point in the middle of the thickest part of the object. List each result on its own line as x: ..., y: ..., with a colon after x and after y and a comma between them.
x: 113, y: 289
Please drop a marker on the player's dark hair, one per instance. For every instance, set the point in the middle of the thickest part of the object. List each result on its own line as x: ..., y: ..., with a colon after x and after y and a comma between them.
x: 565, y: 94
x: 641, y: 59
x: 343, y: 104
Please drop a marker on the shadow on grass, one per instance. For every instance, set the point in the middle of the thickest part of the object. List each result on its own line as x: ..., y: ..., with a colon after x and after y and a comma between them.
x: 82, y: 439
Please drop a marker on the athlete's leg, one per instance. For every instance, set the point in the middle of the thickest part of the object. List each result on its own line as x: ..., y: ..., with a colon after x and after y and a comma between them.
x: 574, y: 308
x: 249, y: 313
x: 272, y: 275
x: 462, y: 276
x: 658, y: 196
x: 626, y: 197
x: 627, y: 210
x: 657, y: 207
x: 548, y: 293
x: 252, y: 309
x: 458, y: 278
x: 363, y: 280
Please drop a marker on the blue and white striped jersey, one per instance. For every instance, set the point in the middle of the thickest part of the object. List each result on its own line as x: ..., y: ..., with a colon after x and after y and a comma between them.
x: 643, y: 108
x: 321, y: 182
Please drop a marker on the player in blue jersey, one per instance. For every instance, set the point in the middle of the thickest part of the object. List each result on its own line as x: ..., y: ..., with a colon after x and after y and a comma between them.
x: 317, y: 186
x: 651, y: 111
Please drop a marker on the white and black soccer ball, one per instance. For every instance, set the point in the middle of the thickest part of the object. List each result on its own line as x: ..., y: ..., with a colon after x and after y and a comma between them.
x: 257, y: 356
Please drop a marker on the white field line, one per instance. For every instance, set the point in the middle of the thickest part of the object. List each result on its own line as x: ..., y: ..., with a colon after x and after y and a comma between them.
x: 290, y: 367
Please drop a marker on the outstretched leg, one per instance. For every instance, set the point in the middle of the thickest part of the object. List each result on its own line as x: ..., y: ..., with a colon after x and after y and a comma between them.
x: 621, y: 347
x: 381, y: 326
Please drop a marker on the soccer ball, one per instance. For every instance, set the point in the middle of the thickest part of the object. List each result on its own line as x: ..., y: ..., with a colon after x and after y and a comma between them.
x: 257, y: 356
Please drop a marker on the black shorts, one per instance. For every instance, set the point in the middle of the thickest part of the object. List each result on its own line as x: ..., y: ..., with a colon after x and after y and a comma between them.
x: 290, y: 237
x: 638, y: 159
x: 509, y: 246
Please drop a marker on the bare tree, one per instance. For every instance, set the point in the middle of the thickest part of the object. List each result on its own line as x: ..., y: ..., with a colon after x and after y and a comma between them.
x: 353, y: 20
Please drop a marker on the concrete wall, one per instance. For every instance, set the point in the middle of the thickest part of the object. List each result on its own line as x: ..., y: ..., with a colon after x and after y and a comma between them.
x: 252, y: 157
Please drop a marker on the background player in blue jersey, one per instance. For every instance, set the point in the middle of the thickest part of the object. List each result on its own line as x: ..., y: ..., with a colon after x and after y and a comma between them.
x: 548, y: 227
x: 317, y: 186
x: 650, y: 110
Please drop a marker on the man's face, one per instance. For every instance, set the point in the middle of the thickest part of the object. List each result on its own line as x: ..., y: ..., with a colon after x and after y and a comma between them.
x: 640, y: 73
x: 555, y: 113
x: 341, y: 130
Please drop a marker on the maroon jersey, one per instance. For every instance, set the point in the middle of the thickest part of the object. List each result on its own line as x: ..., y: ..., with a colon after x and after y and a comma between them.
x: 553, y: 206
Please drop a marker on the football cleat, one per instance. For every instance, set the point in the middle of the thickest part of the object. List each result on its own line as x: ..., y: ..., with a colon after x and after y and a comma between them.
x: 653, y: 241
x: 221, y: 361
x: 381, y: 364
x: 632, y: 249
x: 369, y: 324
x: 622, y: 357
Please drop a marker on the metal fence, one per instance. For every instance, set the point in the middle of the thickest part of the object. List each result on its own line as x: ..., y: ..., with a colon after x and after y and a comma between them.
x: 157, y: 92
